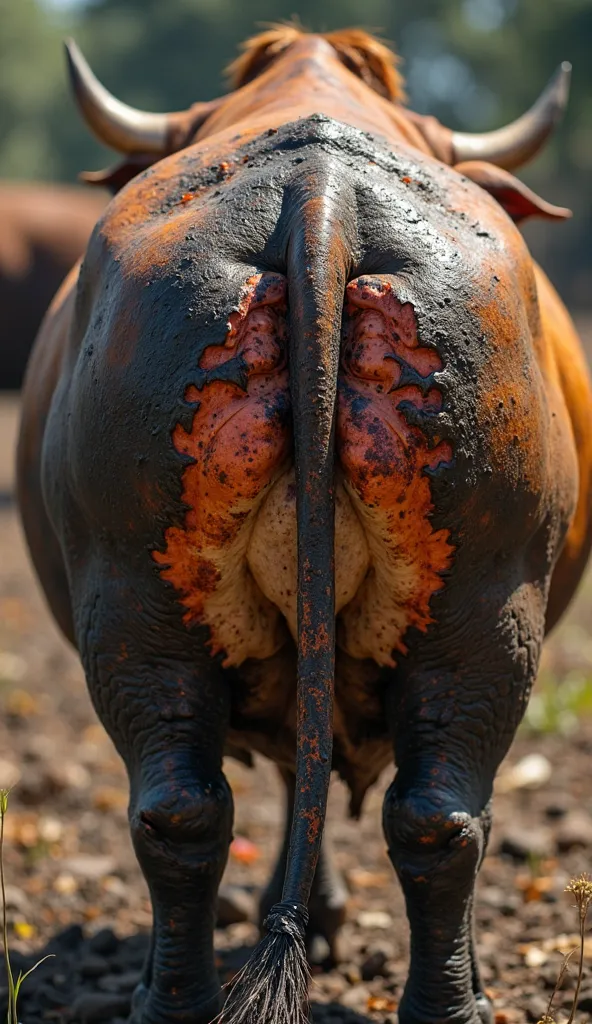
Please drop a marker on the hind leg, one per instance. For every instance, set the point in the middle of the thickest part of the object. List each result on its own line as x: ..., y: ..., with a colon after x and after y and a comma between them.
x: 328, y: 896
x: 452, y: 725
x: 484, y: 1007
x: 166, y: 708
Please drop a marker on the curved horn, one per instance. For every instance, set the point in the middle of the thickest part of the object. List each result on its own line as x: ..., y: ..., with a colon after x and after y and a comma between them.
x: 113, y: 122
x: 516, y: 143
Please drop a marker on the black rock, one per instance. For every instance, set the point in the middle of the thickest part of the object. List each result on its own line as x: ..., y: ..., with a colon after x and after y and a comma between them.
x: 104, y: 942
x: 98, y: 1006
x: 374, y: 965
x: 47, y: 995
x: 522, y: 843
x: 125, y: 982
x: 93, y: 966
x: 67, y: 941
x: 585, y: 1001
x: 536, y: 1007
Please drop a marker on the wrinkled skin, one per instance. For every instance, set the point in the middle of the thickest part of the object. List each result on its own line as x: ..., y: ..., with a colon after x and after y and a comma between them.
x: 156, y: 484
x: 43, y: 231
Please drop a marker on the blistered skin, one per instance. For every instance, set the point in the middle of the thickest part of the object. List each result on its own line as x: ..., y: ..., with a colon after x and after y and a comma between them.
x: 386, y: 376
x: 233, y: 562
x: 238, y: 439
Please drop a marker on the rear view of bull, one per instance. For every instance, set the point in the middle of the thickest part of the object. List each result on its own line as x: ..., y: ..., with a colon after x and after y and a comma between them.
x: 305, y: 470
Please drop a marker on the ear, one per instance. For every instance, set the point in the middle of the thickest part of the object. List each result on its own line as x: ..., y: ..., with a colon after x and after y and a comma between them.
x: 183, y: 127
x: 114, y: 178
x: 517, y: 199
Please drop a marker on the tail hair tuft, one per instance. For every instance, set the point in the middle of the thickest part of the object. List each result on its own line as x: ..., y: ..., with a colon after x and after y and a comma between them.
x: 272, y: 987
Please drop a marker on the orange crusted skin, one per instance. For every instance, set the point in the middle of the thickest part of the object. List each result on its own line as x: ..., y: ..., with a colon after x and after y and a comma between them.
x: 238, y: 440
x: 238, y: 452
x: 384, y: 459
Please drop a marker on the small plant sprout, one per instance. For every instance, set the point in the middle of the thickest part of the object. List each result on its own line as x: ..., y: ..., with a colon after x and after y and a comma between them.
x: 14, y: 987
x: 581, y: 889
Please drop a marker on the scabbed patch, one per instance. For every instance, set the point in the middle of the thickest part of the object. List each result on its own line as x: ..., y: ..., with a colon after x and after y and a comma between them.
x: 239, y: 439
x: 233, y: 562
x: 388, y: 382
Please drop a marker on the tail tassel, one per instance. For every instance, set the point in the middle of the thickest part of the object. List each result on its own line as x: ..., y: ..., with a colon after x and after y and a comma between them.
x: 272, y: 987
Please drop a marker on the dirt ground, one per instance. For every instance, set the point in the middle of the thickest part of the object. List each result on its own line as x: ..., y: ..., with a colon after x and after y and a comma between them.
x: 71, y: 871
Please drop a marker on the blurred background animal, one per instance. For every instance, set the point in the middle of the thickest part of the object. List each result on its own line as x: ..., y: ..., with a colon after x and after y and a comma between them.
x: 43, y: 231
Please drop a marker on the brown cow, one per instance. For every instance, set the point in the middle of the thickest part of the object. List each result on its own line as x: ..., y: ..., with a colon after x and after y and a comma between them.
x: 305, y: 469
x: 43, y: 231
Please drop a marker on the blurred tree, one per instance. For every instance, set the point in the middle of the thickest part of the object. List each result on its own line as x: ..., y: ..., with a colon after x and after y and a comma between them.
x: 31, y: 70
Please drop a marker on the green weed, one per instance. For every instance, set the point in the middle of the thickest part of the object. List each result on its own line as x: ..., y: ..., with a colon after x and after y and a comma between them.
x: 14, y: 987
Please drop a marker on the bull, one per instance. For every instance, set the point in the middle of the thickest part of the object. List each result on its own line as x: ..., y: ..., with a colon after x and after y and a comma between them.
x: 43, y: 231
x: 304, y: 469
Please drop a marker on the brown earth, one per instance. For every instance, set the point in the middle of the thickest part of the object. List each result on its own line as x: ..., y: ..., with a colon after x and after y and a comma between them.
x: 69, y: 860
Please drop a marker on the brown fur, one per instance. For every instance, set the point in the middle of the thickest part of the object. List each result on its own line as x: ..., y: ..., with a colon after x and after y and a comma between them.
x: 365, y: 55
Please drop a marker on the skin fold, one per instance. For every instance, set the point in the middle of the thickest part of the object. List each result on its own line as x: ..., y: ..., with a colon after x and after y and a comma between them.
x: 305, y: 309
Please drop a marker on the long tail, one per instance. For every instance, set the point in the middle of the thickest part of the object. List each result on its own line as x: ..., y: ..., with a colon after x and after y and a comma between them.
x: 272, y: 989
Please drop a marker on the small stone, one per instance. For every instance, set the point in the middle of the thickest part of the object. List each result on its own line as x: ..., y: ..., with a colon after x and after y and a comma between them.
x: 96, y: 1006
x: 9, y: 774
x: 531, y: 772
x: 536, y: 1008
x: 134, y: 950
x: 89, y: 866
x: 522, y: 843
x: 16, y: 899
x: 575, y: 830
x: 69, y: 775
x: 355, y: 998
x: 125, y: 982
x: 319, y: 952
x: 13, y: 668
x: 374, y: 964
x: 104, y: 942
x: 585, y: 1001
x: 556, y: 809
x: 49, y: 996
x: 67, y: 941
x: 93, y: 966
x: 234, y: 906
x: 374, y: 919
x: 351, y: 973
x: 65, y: 884
x: 115, y: 886
x: 494, y: 897
x: 50, y: 830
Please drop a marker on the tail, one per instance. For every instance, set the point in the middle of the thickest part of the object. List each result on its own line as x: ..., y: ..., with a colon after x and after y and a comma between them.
x: 273, y: 987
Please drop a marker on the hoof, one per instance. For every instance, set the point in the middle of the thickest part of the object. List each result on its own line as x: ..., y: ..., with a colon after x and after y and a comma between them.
x: 138, y: 1000
x: 413, y: 1010
x: 484, y: 1009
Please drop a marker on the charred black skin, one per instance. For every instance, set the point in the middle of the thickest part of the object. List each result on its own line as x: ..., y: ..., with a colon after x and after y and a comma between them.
x: 109, y: 485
